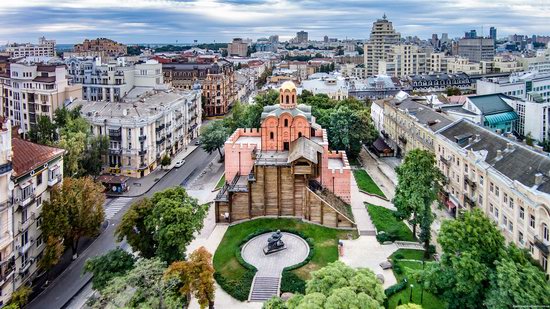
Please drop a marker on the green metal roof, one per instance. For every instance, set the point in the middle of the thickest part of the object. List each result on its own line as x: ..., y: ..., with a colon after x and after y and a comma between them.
x: 500, y: 118
x: 490, y: 104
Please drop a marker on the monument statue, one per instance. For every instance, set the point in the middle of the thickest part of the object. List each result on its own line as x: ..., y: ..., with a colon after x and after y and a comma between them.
x: 274, y: 243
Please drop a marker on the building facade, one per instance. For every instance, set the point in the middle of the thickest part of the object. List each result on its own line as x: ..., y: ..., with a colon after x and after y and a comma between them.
x: 113, y: 80
x: 31, y: 90
x: 285, y: 169
x: 403, y: 60
x: 504, y: 179
x: 145, y: 129
x: 108, y: 46
x: 440, y: 82
x: 476, y: 49
x: 517, y: 85
x: 217, y: 81
x: 44, y: 48
x: 302, y: 37
x: 7, y: 258
x: 237, y: 48
x: 382, y: 39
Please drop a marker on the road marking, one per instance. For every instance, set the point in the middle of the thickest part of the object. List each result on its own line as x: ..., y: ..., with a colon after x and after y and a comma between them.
x: 115, y: 206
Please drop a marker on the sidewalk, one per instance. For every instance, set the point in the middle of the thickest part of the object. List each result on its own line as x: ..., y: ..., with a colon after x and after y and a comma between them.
x: 382, y: 173
x: 140, y: 186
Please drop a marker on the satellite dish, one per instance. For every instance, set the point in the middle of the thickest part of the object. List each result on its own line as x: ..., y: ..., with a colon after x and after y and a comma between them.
x: 11, y: 185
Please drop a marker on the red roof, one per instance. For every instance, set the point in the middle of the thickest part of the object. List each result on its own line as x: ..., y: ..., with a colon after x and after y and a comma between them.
x: 28, y: 156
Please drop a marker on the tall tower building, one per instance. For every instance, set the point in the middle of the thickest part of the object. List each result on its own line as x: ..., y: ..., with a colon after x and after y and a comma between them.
x: 302, y: 37
x: 382, y: 39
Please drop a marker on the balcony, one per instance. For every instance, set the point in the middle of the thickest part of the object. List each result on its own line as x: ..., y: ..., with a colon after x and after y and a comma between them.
x: 542, y: 244
x: 6, y: 274
x: 160, y: 128
x: 25, y: 266
x: 54, y: 180
x: 142, y: 152
x: 4, y: 168
x: 142, y: 166
x: 402, y: 139
x: 24, y: 201
x: 470, y: 182
x: 160, y: 141
x: 444, y: 160
x: 23, y: 226
x: 142, y: 138
x: 115, y: 151
x: 469, y: 201
x: 25, y: 248
x: 115, y: 134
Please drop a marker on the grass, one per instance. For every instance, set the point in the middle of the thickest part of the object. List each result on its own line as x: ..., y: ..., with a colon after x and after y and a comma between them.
x: 220, y: 183
x: 324, y: 239
x: 365, y: 183
x: 384, y: 220
x: 429, y: 301
x: 409, y: 254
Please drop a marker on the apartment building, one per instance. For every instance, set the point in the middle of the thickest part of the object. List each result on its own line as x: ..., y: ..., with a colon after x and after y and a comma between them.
x: 216, y: 79
x: 108, y: 46
x: 144, y: 129
x: 437, y: 63
x: 409, y: 124
x: 29, y: 90
x: 463, y: 65
x: 7, y: 261
x: 237, y: 48
x: 506, y: 180
x: 476, y: 49
x: 113, y: 80
x: 517, y: 85
x: 44, y: 48
x: 334, y: 86
x: 382, y: 39
x: 403, y: 60
x: 440, y: 82
x: 36, y: 170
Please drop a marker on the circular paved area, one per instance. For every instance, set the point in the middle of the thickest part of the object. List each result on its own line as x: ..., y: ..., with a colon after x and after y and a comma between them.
x: 273, y: 264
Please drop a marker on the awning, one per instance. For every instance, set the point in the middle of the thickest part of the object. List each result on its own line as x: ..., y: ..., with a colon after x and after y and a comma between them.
x: 500, y: 118
x: 381, y: 146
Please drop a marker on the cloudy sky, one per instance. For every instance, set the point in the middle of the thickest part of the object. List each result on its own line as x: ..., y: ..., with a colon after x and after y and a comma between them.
x: 165, y: 21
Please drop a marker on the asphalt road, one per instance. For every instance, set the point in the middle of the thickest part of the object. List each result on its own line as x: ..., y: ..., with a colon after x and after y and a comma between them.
x: 67, y: 285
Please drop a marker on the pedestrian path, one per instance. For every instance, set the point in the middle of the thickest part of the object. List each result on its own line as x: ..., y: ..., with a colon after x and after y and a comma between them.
x: 362, y: 218
x: 115, y: 206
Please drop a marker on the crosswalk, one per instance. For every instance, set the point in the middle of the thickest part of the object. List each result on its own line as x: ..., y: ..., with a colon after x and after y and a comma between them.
x: 115, y: 206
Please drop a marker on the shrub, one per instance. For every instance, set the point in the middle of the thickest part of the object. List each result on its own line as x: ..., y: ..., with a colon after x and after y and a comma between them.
x: 290, y: 282
x: 399, y: 256
x: 396, y: 288
x: 237, y: 288
x: 397, y: 269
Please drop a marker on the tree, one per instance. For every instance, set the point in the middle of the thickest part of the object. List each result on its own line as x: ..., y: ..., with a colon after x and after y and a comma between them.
x: 348, y: 129
x: 214, y: 136
x: 196, y: 276
x: 43, y: 132
x: 274, y: 303
x: 52, y: 254
x: 409, y: 306
x: 529, y: 139
x: 20, y: 297
x: 165, y: 161
x: 75, y: 209
x: 419, y: 182
x: 96, y: 149
x: 451, y: 91
x: 105, y: 267
x: 132, y: 227
x: 74, y: 143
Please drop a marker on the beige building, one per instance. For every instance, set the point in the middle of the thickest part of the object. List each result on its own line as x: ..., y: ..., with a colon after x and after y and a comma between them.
x: 382, y: 39
x: 409, y: 125
x: 144, y: 129
x: 438, y: 63
x: 237, y: 48
x: 107, y: 46
x: 44, y: 48
x: 7, y: 261
x: 506, y: 180
x: 463, y: 65
x: 29, y: 90
x: 403, y: 60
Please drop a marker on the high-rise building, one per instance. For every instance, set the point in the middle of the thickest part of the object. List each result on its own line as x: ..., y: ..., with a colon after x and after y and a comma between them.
x: 44, y: 48
x: 29, y: 90
x: 237, y: 48
x: 493, y: 33
x: 382, y: 39
x: 403, y: 60
x: 302, y: 37
x: 472, y: 34
x: 476, y: 49
x: 274, y: 39
x: 325, y: 39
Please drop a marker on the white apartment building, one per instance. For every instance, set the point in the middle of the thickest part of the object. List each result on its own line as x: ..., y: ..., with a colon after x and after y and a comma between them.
x: 29, y: 90
x: 533, y: 116
x: 403, y: 60
x: 382, y: 39
x: 517, y: 85
x: 44, y: 48
x: 113, y: 80
x: 7, y: 261
x: 462, y: 65
x: 334, y: 86
x: 506, y: 180
x: 437, y: 63
x: 540, y: 63
x: 144, y: 129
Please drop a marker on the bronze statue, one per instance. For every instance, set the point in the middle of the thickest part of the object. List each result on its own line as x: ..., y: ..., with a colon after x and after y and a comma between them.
x: 274, y: 243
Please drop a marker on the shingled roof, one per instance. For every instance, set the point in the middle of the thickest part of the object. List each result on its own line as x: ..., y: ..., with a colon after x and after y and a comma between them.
x: 304, y: 148
x: 27, y: 156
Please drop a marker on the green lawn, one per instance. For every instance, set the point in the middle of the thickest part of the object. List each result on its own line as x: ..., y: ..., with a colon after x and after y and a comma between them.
x: 384, y: 220
x: 365, y: 182
x: 220, y: 183
x: 238, y: 278
x: 429, y: 301
x: 409, y: 254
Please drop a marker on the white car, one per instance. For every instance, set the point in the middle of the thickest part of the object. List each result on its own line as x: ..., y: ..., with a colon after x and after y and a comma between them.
x: 179, y: 164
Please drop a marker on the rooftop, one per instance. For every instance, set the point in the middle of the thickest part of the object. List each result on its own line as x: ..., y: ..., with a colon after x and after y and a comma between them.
x: 423, y: 114
x: 27, y: 156
x: 491, y: 103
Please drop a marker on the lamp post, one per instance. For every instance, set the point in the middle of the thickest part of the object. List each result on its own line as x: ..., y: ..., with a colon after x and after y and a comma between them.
x: 422, y: 286
x: 411, y: 295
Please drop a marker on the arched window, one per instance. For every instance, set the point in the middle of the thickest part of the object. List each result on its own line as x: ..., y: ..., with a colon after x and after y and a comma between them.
x: 271, y: 135
x: 287, y: 99
x: 299, y: 134
x: 545, y: 232
x: 286, y: 122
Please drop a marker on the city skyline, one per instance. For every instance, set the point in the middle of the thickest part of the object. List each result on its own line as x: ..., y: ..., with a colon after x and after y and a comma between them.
x: 168, y: 21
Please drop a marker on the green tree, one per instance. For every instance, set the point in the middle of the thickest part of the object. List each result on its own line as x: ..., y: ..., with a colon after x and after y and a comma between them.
x: 132, y: 227
x: 44, y: 131
x: 529, y: 139
x: 175, y: 218
x: 114, y: 263
x: 274, y: 303
x: 51, y: 254
x: 409, y: 306
x: 453, y: 91
x: 74, y: 143
x: 96, y: 149
x: 419, y: 182
x: 75, y: 209
x: 165, y: 161
x: 214, y: 136
x: 20, y: 297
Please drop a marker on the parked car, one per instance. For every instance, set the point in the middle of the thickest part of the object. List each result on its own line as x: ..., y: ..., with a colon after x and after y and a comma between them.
x: 179, y: 164
x: 198, y: 142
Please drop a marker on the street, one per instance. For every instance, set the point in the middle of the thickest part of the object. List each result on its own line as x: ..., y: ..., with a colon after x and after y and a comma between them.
x: 68, y: 284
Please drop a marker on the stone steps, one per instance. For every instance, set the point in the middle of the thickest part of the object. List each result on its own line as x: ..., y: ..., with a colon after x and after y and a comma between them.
x: 367, y: 233
x: 263, y: 288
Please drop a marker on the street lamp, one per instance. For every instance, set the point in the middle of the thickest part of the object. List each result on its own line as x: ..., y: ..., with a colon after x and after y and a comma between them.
x: 411, y: 295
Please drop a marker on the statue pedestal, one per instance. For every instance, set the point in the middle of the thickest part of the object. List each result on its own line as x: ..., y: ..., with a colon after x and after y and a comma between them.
x: 267, y: 251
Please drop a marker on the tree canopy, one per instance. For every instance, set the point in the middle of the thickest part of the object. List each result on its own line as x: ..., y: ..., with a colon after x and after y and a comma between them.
x: 214, y: 136
x: 132, y: 227
x: 114, y: 263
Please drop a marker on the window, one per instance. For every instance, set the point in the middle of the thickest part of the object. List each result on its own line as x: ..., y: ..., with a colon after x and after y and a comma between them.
x: 271, y: 135
x: 511, y: 204
x: 39, y: 222
x: 481, y: 180
x: 531, y: 248
x: 544, y: 262
x: 522, y: 213
x: 505, y: 198
x: 492, y: 187
x: 532, y: 221
x: 286, y: 123
x: 466, y: 168
x: 496, y: 212
x: 39, y: 179
x: 39, y: 241
x: 299, y: 134
x: 491, y: 208
x: 520, y: 238
x: 545, y: 232
x: 510, y: 226
x: 497, y: 191
x: 504, y: 220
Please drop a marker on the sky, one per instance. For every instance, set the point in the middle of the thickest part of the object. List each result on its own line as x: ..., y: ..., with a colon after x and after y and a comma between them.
x: 171, y: 21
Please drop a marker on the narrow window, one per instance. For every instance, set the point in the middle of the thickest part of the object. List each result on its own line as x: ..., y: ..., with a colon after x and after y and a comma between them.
x: 271, y: 135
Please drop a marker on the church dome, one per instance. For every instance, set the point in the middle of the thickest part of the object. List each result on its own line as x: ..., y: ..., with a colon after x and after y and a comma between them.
x: 288, y: 85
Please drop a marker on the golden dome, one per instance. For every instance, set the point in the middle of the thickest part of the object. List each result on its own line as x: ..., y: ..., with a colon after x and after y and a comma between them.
x: 288, y: 85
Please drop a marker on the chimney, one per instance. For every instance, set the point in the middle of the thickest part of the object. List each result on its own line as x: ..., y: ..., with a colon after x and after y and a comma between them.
x: 538, y: 179
x: 477, y: 138
x: 509, y: 147
x: 470, y: 140
x: 499, y: 154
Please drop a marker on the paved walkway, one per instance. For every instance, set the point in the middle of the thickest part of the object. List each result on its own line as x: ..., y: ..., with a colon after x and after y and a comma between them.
x: 360, y: 214
x: 382, y: 173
